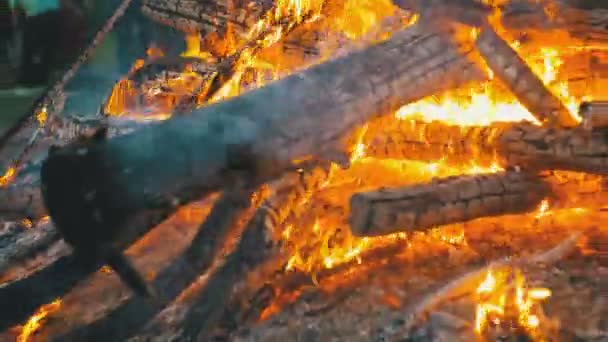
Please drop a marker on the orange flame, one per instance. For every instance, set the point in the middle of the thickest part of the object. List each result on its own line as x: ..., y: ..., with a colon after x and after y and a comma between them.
x: 36, y: 321
x: 504, y: 295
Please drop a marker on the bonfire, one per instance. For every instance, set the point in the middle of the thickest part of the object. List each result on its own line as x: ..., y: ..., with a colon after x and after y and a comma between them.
x: 320, y: 170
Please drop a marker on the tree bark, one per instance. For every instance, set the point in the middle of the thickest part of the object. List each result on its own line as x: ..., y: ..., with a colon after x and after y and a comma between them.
x: 544, y: 148
x: 130, y: 183
x: 510, y: 68
x: 444, y: 201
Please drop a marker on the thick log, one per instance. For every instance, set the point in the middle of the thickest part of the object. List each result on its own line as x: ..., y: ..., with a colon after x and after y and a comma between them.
x: 510, y: 68
x: 443, y: 201
x: 207, y: 16
x: 504, y: 144
x: 544, y: 148
x: 114, y: 187
x: 459, y: 146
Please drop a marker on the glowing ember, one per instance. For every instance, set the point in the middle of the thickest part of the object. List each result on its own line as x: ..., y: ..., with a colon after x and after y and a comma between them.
x: 36, y: 321
x: 503, y: 297
x: 8, y: 176
x: 42, y: 116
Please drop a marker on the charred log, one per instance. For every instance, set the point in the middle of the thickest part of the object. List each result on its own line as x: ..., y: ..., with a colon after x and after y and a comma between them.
x: 205, y: 308
x: 207, y: 16
x: 558, y: 149
x: 459, y: 146
x: 507, y: 144
x: 444, y: 201
x: 129, y: 183
x: 510, y: 68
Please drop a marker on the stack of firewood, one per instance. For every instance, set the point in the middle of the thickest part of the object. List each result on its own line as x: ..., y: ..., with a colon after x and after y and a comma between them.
x: 109, y: 183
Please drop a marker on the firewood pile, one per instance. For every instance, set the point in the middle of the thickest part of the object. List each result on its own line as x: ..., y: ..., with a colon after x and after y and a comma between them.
x: 320, y: 170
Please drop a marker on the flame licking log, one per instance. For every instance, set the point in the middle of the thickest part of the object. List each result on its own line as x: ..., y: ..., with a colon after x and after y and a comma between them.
x: 130, y: 183
x: 207, y: 16
x: 26, y: 244
x: 202, y: 309
x: 510, y: 68
x: 507, y: 144
x: 443, y: 201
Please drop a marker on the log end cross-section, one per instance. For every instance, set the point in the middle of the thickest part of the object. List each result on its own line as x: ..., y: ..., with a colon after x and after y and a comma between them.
x: 444, y: 201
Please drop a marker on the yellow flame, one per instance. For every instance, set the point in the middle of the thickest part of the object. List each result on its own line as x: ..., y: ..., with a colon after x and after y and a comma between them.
x: 8, y: 176
x: 36, y: 321
x: 543, y: 208
x: 42, y: 116
x: 503, y: 296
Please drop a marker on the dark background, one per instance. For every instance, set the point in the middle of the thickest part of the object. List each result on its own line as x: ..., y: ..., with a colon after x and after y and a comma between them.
x: 40, y: 38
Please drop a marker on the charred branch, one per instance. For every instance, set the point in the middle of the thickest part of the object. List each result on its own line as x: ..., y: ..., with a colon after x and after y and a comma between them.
x: 544, y: 148
x: 205, y: 307
x: 510, y: 68
x: 207, y: 16
x: 443, y: 201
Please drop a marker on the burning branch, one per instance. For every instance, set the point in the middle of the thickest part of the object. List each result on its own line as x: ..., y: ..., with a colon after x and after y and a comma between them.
x: 519, y: 78
x: 508, y: 144
x: 203, y: 308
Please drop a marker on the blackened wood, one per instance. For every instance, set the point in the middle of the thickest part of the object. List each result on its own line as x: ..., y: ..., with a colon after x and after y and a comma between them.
x: 128, y: 315
x: 26, y: 244
x: 526, y: 145
x: 444, y: 201
x: 112, y: 187
x: 207, y: 16
x: 594, y: 114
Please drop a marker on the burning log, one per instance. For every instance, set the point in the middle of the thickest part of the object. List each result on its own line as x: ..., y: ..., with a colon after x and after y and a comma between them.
x: 544, y: 148
x: 130, y: 183
x: 444, y: 201
x: 510, y: 68
x: 207, y: 16
x: 508, y: 144
x: 433, y: 141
